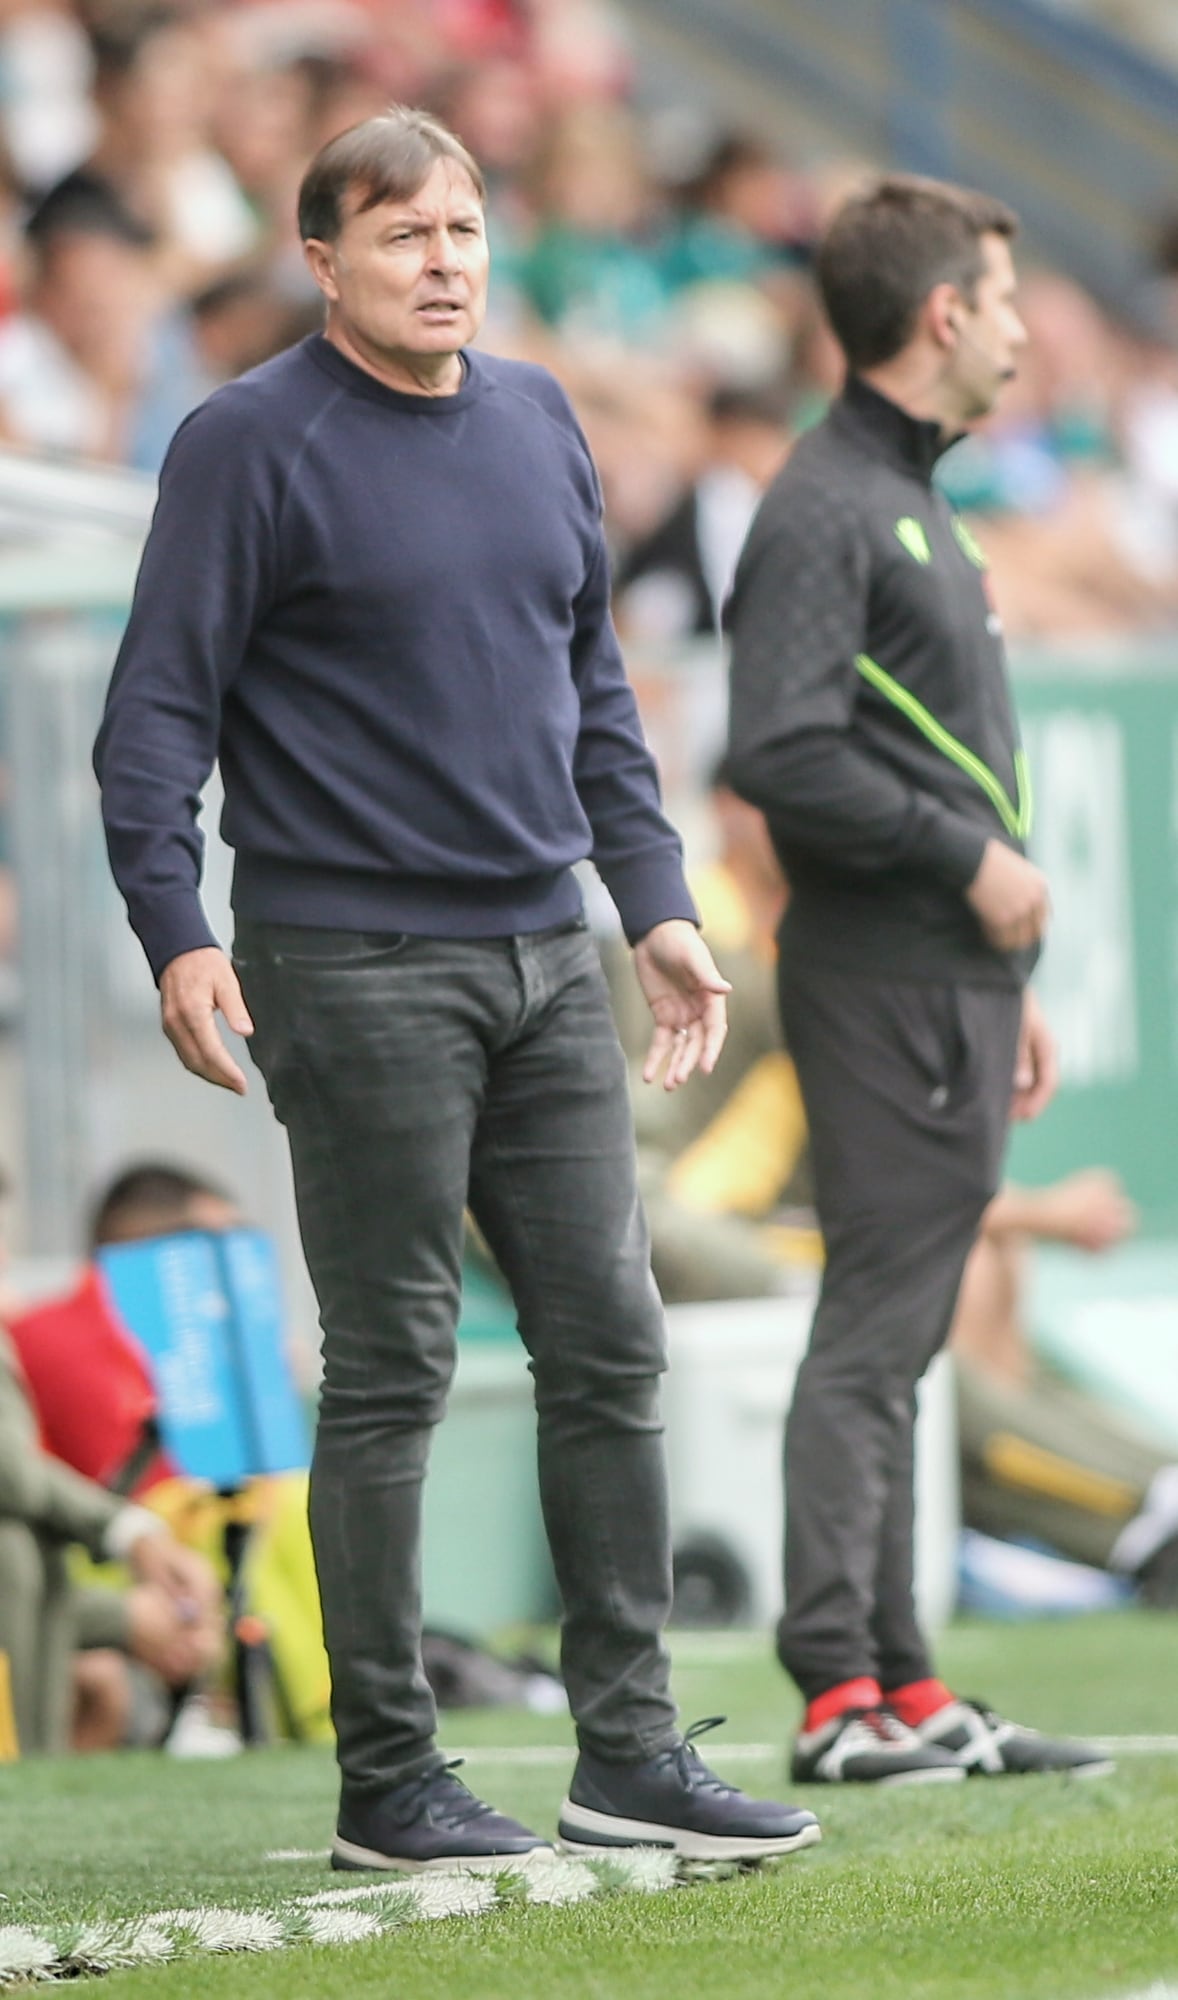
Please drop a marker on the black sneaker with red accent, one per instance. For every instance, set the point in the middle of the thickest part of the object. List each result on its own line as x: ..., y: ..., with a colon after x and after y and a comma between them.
x: 869, y: 1746
x: 987, y: 1746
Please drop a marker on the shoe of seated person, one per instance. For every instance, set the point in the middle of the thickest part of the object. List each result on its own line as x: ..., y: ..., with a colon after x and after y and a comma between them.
x: 675, y: 1802
x: 869, y: 1746
x: 988, y: 1746
x: 429, y: 1822
x: 195, y: 1734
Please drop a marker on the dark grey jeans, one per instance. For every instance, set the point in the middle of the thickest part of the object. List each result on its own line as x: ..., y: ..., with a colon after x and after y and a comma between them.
x: 415, y: 1076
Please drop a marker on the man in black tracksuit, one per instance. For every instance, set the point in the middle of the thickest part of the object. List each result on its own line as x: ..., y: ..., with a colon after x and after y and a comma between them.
x: 871, y: 722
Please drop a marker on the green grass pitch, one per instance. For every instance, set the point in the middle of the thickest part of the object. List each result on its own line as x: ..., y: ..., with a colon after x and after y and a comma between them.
x: 1023, y: 1889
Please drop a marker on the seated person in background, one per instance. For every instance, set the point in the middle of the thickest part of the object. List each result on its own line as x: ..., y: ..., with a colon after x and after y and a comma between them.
x: 672, y: 584
x: 77, y: 357
x: 724, y: 1178
x: 1040, y: 1456
x: 96, y: 1408
x: 169, y: 1619
x: 76, y: 1435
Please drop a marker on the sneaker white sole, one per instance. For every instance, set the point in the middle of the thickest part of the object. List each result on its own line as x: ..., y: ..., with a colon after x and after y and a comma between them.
x: 1077, y: 1771
x: 346, y: 1854
x: 940, y: 1774
x: 935, y: 1774
x: 583, y: 1831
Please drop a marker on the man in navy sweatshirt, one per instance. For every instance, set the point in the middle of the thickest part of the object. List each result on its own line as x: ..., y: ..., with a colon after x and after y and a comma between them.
x: 376, y: 588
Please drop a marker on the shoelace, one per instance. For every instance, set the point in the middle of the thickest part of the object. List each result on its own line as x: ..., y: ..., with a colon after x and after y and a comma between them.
x: 998, y: 1724
x: 686, y: 1761
x: 452, y: 1804
x: 878, y: 1722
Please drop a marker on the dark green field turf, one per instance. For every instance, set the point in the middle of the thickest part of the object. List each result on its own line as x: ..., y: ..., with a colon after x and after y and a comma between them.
x: 1021, y: 1889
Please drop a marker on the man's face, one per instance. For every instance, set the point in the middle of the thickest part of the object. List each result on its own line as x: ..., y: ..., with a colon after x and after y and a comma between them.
x: 94, y: 291
x: 990, y: 333
x: 407, y: 280
x: 200, y: 1210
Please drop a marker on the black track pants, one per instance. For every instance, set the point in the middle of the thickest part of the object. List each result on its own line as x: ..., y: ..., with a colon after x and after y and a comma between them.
x: 907, y: 1088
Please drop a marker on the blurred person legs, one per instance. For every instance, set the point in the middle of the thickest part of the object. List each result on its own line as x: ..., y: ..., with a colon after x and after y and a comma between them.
x: 1040, y: 1456
x: 144, y: 1650
x: 170, y: 1617
x: 141, y: 1672
x: 723, y: 1168
x: 37, y: 1632
x: 915, y: 1077
x: 86, y: 1664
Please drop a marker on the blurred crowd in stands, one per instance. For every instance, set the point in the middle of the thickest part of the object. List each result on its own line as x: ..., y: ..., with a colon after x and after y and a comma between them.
x: 659, y: 264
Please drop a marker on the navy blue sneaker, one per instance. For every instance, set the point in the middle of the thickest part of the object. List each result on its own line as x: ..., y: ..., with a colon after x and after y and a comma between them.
x: 429, y: 1822
x: 674, y: 1801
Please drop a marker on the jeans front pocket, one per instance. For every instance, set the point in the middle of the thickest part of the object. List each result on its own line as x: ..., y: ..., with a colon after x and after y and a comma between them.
x: 337, y: 951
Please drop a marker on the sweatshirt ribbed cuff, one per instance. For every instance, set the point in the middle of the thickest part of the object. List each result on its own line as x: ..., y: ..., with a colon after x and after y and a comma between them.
x: 649, y: 890
x: 169, y: 925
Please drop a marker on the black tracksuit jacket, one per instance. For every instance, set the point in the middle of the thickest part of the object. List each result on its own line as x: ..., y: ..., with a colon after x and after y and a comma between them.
x: 871, y: 718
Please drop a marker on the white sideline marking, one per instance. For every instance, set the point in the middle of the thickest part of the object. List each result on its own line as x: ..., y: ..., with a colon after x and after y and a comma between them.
x: 329, y: 1916
x: 560, y: 1753
x: 754, y: 1753
x: 1163, y: 1746
x: 710, y: 1649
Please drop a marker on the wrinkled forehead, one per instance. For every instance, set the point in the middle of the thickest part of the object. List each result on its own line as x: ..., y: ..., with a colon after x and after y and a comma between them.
x: 447, y: 189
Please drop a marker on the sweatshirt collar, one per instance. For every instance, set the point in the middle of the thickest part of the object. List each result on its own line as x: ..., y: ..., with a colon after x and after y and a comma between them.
x: 914, y: 444
x: 346, y: 372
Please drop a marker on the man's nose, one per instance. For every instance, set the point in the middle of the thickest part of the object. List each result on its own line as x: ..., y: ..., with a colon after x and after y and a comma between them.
x: 444, y: 252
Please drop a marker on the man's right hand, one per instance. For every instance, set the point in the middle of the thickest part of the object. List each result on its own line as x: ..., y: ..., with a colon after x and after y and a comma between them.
x: 194, y: 989
x: 1009, y: 897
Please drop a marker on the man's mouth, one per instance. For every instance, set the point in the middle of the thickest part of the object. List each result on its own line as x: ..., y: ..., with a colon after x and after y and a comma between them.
x: 440, y: 308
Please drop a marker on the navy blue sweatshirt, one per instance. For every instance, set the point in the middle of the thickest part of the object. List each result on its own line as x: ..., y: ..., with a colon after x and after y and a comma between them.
x: 388, y: 616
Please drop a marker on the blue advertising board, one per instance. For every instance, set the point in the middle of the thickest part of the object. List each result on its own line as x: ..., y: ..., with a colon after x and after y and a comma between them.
x: 207, y: 1308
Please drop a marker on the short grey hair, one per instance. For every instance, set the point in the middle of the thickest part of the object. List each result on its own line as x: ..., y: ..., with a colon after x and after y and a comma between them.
x: 386, y: 158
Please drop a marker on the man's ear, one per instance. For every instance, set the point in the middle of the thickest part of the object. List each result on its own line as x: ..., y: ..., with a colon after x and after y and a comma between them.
x: 320, y: 258
x: 942, y: 314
